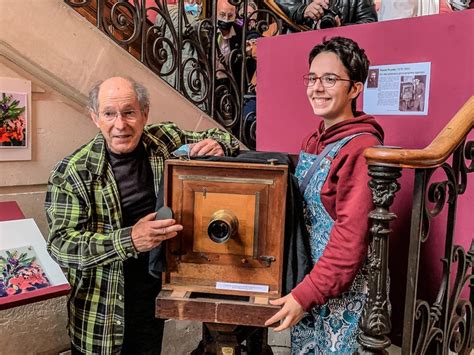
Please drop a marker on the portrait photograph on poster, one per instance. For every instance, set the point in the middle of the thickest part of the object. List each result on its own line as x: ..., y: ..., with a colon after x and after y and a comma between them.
x: 27, y: 273
x: 373, y: 79
x: 15, y: 119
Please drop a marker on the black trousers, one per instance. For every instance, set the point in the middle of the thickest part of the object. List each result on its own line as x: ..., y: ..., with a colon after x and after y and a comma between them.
x: 142, y: 341
x: 143, y: 332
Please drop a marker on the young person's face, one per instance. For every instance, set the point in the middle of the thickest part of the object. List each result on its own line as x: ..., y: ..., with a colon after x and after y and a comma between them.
x: 119, y: 118
x: 333, y: 104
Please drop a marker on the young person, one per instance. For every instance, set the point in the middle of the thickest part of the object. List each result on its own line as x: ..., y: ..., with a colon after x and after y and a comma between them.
x: 324, y: 309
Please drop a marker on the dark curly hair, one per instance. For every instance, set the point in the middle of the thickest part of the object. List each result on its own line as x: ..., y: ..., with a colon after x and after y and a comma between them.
x: 350, y: 54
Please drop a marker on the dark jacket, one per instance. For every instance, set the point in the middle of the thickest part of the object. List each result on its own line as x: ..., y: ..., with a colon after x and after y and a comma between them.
x: 351, y: 11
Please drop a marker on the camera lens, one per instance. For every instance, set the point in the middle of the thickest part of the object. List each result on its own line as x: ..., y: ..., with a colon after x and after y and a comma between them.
x: 222, y: 227
x: 327, y: 22
x: 329, y: 19
x: 218, y: 231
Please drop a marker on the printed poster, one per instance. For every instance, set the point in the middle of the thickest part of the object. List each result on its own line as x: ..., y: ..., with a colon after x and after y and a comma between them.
x: 397, y: 89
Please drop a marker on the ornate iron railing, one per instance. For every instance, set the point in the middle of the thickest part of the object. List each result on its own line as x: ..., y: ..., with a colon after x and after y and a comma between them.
x: 446, y: 324
x: 183, y: 50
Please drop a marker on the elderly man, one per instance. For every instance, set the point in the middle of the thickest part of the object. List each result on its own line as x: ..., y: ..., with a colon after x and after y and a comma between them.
x: 229, y: 37
x: 100, y: 207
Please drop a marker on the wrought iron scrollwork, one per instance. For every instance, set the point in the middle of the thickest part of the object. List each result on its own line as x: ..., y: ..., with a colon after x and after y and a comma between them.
x: 466, y: 168
x: 177, y: 50
x: 183, y: 50
x: 447, y: 323
x: 455, y: 335
x: 461, y: 321
x: 438, y: 194
x: 428, y: 332
x: 161, y: 42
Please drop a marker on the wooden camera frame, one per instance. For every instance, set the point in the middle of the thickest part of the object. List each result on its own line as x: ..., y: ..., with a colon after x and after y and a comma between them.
x: 230, y: 252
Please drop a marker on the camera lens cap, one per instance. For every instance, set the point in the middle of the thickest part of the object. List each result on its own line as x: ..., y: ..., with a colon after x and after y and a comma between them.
x: 164, y: 213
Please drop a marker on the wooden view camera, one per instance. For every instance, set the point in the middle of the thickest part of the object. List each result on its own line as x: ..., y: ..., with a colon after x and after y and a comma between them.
x: 230, y: 252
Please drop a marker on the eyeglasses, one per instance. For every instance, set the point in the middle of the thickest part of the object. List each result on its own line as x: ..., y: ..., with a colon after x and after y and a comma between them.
x: 226, y: 16
x: 129, y: 115
x: 327, y: 80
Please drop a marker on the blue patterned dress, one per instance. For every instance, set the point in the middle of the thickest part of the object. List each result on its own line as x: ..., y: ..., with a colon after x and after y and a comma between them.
x: 331, y: 328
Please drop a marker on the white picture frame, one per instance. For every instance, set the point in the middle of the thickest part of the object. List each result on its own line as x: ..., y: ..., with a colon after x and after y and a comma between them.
x: 22, y: 235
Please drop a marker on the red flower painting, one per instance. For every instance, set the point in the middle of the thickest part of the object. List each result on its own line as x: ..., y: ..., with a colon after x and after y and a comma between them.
x: 12, y: 120
x: 20, y: 272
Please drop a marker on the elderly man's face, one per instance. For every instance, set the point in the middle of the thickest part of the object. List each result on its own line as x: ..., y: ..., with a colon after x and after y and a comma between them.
x: 226, y: 11
x: 119, y: 118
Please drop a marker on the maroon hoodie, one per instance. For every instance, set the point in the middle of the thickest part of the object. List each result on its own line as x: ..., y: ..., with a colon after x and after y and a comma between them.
x: 348, y: 200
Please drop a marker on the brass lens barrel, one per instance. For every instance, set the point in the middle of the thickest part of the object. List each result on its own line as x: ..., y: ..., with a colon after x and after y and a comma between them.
x: 222, y: 226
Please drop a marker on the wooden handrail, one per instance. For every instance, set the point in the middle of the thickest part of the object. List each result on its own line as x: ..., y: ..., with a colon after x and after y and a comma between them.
x: 434, y: 154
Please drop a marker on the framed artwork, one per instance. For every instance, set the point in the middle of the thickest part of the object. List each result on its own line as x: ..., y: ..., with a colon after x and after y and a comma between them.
x: 27, y: 272
x: 15, y: 119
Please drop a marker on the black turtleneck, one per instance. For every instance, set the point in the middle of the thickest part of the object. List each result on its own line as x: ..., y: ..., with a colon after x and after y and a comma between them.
x: 134, y: 179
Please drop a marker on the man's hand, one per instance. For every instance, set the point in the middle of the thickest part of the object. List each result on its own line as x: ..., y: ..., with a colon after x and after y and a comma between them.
x: 291, y: 313
x: 315, y: 10
x: 148, y: 233
x: 206, y: 147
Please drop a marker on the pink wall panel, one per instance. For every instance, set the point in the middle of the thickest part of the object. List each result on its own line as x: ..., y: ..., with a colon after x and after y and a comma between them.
x: 285, y: 116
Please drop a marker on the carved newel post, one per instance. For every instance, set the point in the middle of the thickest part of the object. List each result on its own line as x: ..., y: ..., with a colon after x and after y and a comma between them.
x: 375, y: 321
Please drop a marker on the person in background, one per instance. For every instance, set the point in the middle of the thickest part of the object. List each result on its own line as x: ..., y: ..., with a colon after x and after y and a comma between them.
x: 398, y: 9
x: 324, y: 309
x: 345, y: 12
x: 100, y: 205
x: 251, y: 15
x: 190, y: 61
x: 229, y: 38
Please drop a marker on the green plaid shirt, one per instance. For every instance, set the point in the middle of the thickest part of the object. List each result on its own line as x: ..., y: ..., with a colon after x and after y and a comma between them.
x: 86, y: 237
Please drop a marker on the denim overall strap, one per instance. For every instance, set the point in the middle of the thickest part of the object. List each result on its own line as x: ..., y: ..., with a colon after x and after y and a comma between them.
x: 314, y: 166
x: 331, y: 328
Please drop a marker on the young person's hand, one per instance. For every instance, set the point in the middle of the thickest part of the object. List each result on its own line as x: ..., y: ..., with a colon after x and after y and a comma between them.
x: 290, y: 314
